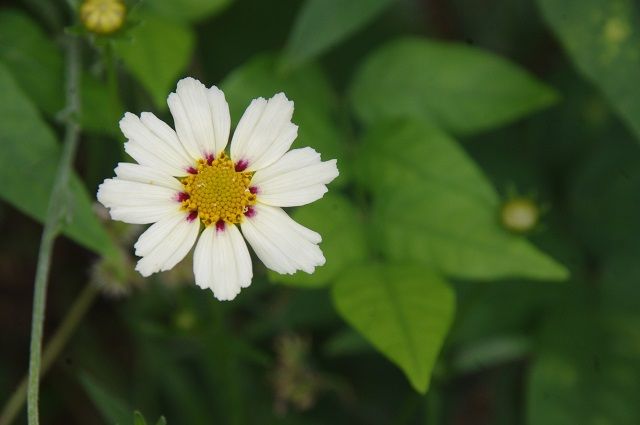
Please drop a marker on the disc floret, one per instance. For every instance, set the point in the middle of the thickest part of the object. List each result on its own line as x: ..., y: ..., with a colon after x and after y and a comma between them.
x: 216, y: 192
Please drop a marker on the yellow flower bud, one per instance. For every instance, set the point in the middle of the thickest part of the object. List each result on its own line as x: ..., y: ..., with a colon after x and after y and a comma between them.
x: 520, y: 215
x: 103, y: 16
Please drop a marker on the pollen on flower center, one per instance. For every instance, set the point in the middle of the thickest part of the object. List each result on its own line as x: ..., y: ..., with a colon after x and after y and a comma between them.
x: 216, y: 191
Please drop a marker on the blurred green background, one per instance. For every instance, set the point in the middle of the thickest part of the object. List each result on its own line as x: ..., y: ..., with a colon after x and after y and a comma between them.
x: 449, y: 120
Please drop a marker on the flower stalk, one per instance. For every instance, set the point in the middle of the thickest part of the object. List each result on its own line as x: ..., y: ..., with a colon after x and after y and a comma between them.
x: 54, y: 347
x: 58, y: 209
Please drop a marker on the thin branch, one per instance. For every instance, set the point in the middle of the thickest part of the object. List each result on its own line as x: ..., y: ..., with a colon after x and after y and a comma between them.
x: 59, y: 205
x: 54, y: 347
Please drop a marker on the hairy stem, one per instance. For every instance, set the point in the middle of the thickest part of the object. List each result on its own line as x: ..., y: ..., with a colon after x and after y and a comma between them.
x: 53, y: 349
x: 58, y: 208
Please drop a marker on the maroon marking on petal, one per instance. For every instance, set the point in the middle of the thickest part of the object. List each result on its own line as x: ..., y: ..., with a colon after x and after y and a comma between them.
x: 250, y: 212
x: 242, y: 165
x: 192, y: 170
x: 182, y: 196
x: 253, y: 189
x: 210, y: 158
x: 192, y: 215
x: 220, y: 225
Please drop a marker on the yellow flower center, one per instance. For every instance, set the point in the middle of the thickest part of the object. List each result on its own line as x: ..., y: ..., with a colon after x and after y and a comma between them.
x: 103, y: 16
x: 217, y: 192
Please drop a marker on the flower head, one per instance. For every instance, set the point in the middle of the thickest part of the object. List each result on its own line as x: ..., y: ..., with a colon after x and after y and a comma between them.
x: 191, y: 189
x: 103, y: 16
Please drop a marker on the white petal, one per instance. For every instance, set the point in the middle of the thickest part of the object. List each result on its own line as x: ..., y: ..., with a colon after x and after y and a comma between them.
x: 201, y: 117
x: 220, y: 117
x: 298, y: 178
x: 117, y: 192
x: 241, y: 256
x: 142, y: 214
x: 282, y: 244
x: 137, y: 203
x: 143, y: 174
x: 221, y: 262
x: 166, y: 243
x: 157, y: 233
x: 154, y: 144
x: 264, y: 133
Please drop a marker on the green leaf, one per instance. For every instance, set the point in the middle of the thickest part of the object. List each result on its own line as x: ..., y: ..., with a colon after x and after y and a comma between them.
x: 161, y: 421
x: 101, y: 111
x: 156, y: 53
x: 604, y: 197
x: 320, y: 24
x: 33, y: 59
x: 404, y: 310
x: 602, y: 39
x: 585, y: 370
x: 187, y: 10
x: 138, y: 419
x: 314, y: 99
x: 343, y: 239
x: 112, y: 408
x: 460, y: 88
x: 28, y: 161
x: 433, y: 205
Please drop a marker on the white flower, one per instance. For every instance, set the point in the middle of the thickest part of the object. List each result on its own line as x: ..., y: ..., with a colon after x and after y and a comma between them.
x: 187, y: 186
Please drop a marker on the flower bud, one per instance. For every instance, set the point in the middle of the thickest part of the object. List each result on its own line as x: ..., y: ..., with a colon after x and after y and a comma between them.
x: 520, y: 215
x: 103, y: 16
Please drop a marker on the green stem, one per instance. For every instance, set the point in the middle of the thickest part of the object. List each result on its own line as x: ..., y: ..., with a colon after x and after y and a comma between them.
x: 56, y: 211
x: 53, y: 349
x: 433, y: 405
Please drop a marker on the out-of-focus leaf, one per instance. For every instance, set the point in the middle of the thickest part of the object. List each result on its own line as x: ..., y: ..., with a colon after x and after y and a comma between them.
x: 28, y: 161
x: 586, y: 367
x: 187, y: 10
x: 343, y: 239
x: 602, y: 38
x: 434, y: 206
x: 36, y: 64
x: 138, y: 419
x: 101, y: 111
x: 323, y: 23
x: 487, y: 315
x: 604, y: 197
x: 156, y: 52
x: 344, y: 343
x: 112, y: 408
x: 314, y: 99
x: 405, y: 311
x: 33, y: 59
x: 458, y: 87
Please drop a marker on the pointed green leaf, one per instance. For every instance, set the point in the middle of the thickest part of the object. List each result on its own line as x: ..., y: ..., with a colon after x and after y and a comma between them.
x: 161, y: 421
x: 602, y: 39
x: 586, y: 367
x: 434, y: 206
x: 460, y: 88
x: 320, y: 24
x: 405, y: 311
x: 343, y: 239
x: 156, y: 52
x: 33, y: 59
x: 187, y: 10
x: 28, y: 161
x: 138, y: 419
x: 113, y: 409
x: 35, y: 62
x: 315, y: 103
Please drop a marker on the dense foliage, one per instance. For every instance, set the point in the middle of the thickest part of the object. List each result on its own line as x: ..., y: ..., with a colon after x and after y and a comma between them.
x: 431, y: 307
